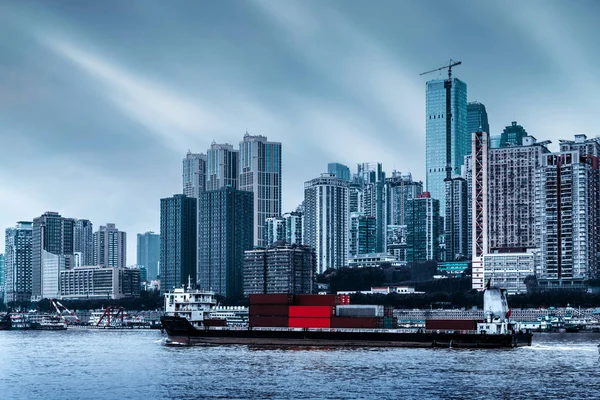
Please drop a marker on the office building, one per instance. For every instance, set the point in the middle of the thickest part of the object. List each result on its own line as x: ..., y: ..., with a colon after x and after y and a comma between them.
x: 17, y: 263
x: 178, y: 241
x: 148, y: 253
x: 110, y: 247
x: 422, y: 228
x: 402, y: 188
x: 363, y: 237
x: 225, y: 231
x: 477, y: 118
x: 281, y: 268
x: 508, y: 270
x: 512, y: 135
x: 83, y: 241
x: 339, y: 170
x: 456, y: 221
x: 194, y: 174
x: 95, y: 283
x: 222, y: 163
x: 326, y: 219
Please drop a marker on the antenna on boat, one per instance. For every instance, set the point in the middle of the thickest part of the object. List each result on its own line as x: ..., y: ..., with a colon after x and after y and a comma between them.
x: 189, y: 286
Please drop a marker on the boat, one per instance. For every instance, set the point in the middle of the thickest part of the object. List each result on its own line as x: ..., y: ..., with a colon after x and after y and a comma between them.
x: 5, y: 322
x: 49, y: 323
x: 186, y: 313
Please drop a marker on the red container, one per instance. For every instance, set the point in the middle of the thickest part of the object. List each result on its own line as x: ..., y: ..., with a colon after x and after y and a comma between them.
x: 268, y: 322
x: 215, y: 322
x: 356, y: 322
x: 312, y: 311
x: 279, y: 298
x: 315, y: 300
x: 344, y: 299
x: 451, y: 324
x: 269, y: 310
x: 309, y: 322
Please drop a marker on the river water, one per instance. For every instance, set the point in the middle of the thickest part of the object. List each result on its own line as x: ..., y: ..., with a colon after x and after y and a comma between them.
x: 99, y: 364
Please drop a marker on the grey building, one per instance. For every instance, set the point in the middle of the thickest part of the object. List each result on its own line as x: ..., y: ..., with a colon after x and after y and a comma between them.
x: 177, y: 241
x: 222, y: 163
x: 260, y: 173
x: 288, y: 228
x: 148, y: 253
x: 225, y: 231
x: 83, y: 241
x: 512, y: 135
x: 422, y: 228
x: 339, y: 170
x: 363, y: 234
x: 52, y: 235
x: 326, y: 219
x: 2, y: 277
x: 402, y: 188
x: 17, y: 263
x: 477, y: 118
x: 194, y: 174
x: 94, y: 282
x: 280, y: 268
x: 110, y: 247
x: 375, y: 199
x: 585, y: 146
x: 456, y: 229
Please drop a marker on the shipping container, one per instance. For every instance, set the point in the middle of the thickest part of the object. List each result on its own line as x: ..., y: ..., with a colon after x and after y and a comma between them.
x: 344, y: 299
x: 279, y: 298
x: 451, y: 324
x: 356, y: 322
x: 359, y: 311
x: 315, y: 300
x: 268, y: 310
x: 260, y: 321
x: 309, y: 322
x: 311, y: 311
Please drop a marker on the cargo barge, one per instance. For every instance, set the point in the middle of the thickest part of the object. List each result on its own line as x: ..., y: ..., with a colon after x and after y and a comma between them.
x: 320, y: 320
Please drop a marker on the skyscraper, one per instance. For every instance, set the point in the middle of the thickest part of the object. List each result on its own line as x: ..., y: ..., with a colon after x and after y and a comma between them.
x: 460, y: 143
x: 422, y: 228
x: 512, y: 135
x: 221, y: 166
x: 2, y: 277
x: 260, y: 173
x: 177, y: 241
x: 17, y: 263
x: 375, y: 199
x: 148, y: 253
x: 52, y: 235
x: 326, y: 218
x: 402, y: 188
x: 363, y: 237
x: 83, y: 241
x: 110, y: 247
x: 340, y: 170
x: 477, y: 118
x: 225, y: 229
x: 194, y: 174
x: 456, y: 229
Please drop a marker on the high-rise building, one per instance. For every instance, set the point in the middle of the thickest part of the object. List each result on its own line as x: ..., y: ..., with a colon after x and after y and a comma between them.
x: 477, y: 118
x: 282, y: 268
x: 110, y: 247
x: 222, y: 166
x: 585, y: 146
x: 194, y: 174
x: 396, y: 241
x: 567, y: 225
x: 53, y: 234
x: 178, y: 242
x: 436, y: 140
x: 402, y: 188
x: 339, y: 170
x: 512, y: 135
x: 362, y: 234
x: 294, y: 227
x: 260, y: 173
x: 273, y: 231
x: 456, y: 229
x: 2, y: 277
x: 83, y: 241
x: 225, y: 231
x: 17, y: 263
x: 288, y: 228
x: 326, y: 219
x: 422, y: 228
x: 375, y: 190
x: 479, y: 205
x: 148, y: 253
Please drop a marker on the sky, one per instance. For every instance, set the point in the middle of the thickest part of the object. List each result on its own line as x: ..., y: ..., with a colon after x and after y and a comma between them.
x: 100, y: 101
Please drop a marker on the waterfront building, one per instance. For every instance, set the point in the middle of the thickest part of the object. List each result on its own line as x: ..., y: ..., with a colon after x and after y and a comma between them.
x: 225, y: 231
x: 512, y: 135
x: 96, y: 282
x: 508, y: 270
x: 260, y: 173
x: 456, y: 221
x: 422, y: 228
x: 436, y: 135
x: 52, y: 266
x: 222, y: 163
x: 178, y: 241
x: 83, y: 241
x: 326, y: 219
x: 194, y: 174
x: 17, y: 262
x: 371, y: 260
x: 110, y: 247
x: 339, y: 170
x: 567, y: 225
x: 477, y: 118
x: 402, y: 188
x: 281, y: 268
x: 148, y: 253
x: 479, y: 172
x: 363, y: 237
x: 51, y: 233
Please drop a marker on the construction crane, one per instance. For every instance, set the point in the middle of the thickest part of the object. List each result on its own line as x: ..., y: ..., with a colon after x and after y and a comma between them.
x: 71, y: 318
x: 448, y: 87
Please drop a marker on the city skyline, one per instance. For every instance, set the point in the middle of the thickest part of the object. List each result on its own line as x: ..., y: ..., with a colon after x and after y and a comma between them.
x: 92, y: 114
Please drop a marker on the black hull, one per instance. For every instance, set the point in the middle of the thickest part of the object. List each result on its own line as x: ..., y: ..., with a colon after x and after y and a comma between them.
x: 180, y: 331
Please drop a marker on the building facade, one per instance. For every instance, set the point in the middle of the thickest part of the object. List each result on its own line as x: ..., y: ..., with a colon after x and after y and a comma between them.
x: 456, y: 221
x: 225, y: 231
x: 363, y: 238
x: 422, y: 228
x: 509, y: 270
x: 512, y: 135
x: 178, y: 242
x: 222, y: 166
x: 339, y: 170
x: 375, y: 189
x: 477, y: 118
x: 17, y: 263
x: 194, y: 174
x: 402, y: 188
x: 260, y: 173
x: 326, y: 220
x: 83, y: 241
x: 110, y: 247
x: 148, y: 253
x: 95, y: 282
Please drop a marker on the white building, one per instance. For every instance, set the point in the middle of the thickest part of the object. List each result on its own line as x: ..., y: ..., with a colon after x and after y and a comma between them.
x: 99, y: 283
x: 509, y: 270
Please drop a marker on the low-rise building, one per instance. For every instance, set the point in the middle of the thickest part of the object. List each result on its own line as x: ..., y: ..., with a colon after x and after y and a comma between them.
x: 95, y: 282
x: 509, y: 270
x: 371, y: 260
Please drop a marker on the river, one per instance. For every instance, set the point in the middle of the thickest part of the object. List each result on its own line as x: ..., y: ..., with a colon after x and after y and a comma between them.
x: 100, y: 364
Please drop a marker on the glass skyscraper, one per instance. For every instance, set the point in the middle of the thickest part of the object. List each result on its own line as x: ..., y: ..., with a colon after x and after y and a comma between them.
x: 512, y: 135
x: 148, y: 253
x: 477, y: 118
x: 340, y: 170
x: 436, y: 135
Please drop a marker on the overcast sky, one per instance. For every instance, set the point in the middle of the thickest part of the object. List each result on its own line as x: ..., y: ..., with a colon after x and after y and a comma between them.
x: 100, y: 100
